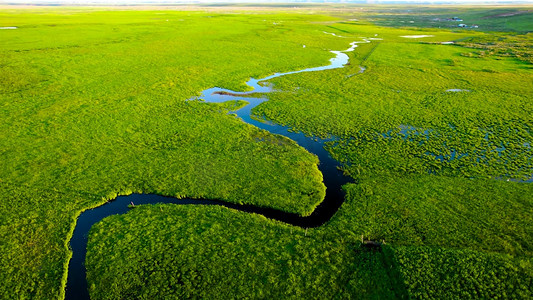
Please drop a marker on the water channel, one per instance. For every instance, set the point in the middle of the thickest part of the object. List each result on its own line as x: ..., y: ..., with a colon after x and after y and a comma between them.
x: 333, y: 179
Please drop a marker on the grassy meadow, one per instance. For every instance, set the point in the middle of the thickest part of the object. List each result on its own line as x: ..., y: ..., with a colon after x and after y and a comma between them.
x: 93, y: 104
x: 497, y: 18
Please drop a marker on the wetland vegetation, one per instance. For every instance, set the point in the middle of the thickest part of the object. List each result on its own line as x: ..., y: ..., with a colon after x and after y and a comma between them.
x: 439, y: 178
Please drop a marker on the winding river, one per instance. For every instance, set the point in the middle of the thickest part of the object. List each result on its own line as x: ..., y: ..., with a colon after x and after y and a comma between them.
x: 76, y: 287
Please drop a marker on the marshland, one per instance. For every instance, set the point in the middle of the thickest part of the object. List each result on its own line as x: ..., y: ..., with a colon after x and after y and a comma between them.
x: 421, y: 134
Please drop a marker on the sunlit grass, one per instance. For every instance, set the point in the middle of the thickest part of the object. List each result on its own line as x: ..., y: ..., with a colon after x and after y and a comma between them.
x: 93, y: 104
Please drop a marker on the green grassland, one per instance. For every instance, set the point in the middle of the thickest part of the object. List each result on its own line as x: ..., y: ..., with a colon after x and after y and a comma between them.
x: 397, y: 117
x: 220, y: 254
x: 100, y: 110
x: 496, y: 18
x: 224, y: 253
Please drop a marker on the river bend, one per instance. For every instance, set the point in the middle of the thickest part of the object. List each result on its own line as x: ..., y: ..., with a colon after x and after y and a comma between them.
x: 76, y: 287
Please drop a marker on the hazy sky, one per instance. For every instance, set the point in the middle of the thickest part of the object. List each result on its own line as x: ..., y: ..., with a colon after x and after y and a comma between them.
x: 265, y: 1
x: 262, y: 1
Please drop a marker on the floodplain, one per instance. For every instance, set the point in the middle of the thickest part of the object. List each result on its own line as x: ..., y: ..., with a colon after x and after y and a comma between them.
x: 431, y: 123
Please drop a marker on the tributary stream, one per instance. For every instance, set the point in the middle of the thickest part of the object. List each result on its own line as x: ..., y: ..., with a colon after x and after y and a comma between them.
x: 333, y: 178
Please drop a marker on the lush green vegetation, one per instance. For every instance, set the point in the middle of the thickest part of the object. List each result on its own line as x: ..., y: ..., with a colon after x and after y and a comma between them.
x: 438, y: 211
x: 213, y: 252
x: 502, y: 18
x: 422, y: 158
x: 399, y: 117
x: 431, y: 273
x: 518, y: 46
x: 100, y: 110
x: 34, y: 226
x: 471, y: 246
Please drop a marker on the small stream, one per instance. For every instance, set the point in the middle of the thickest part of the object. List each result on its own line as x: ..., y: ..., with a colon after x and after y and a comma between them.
x: 77, y: 288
